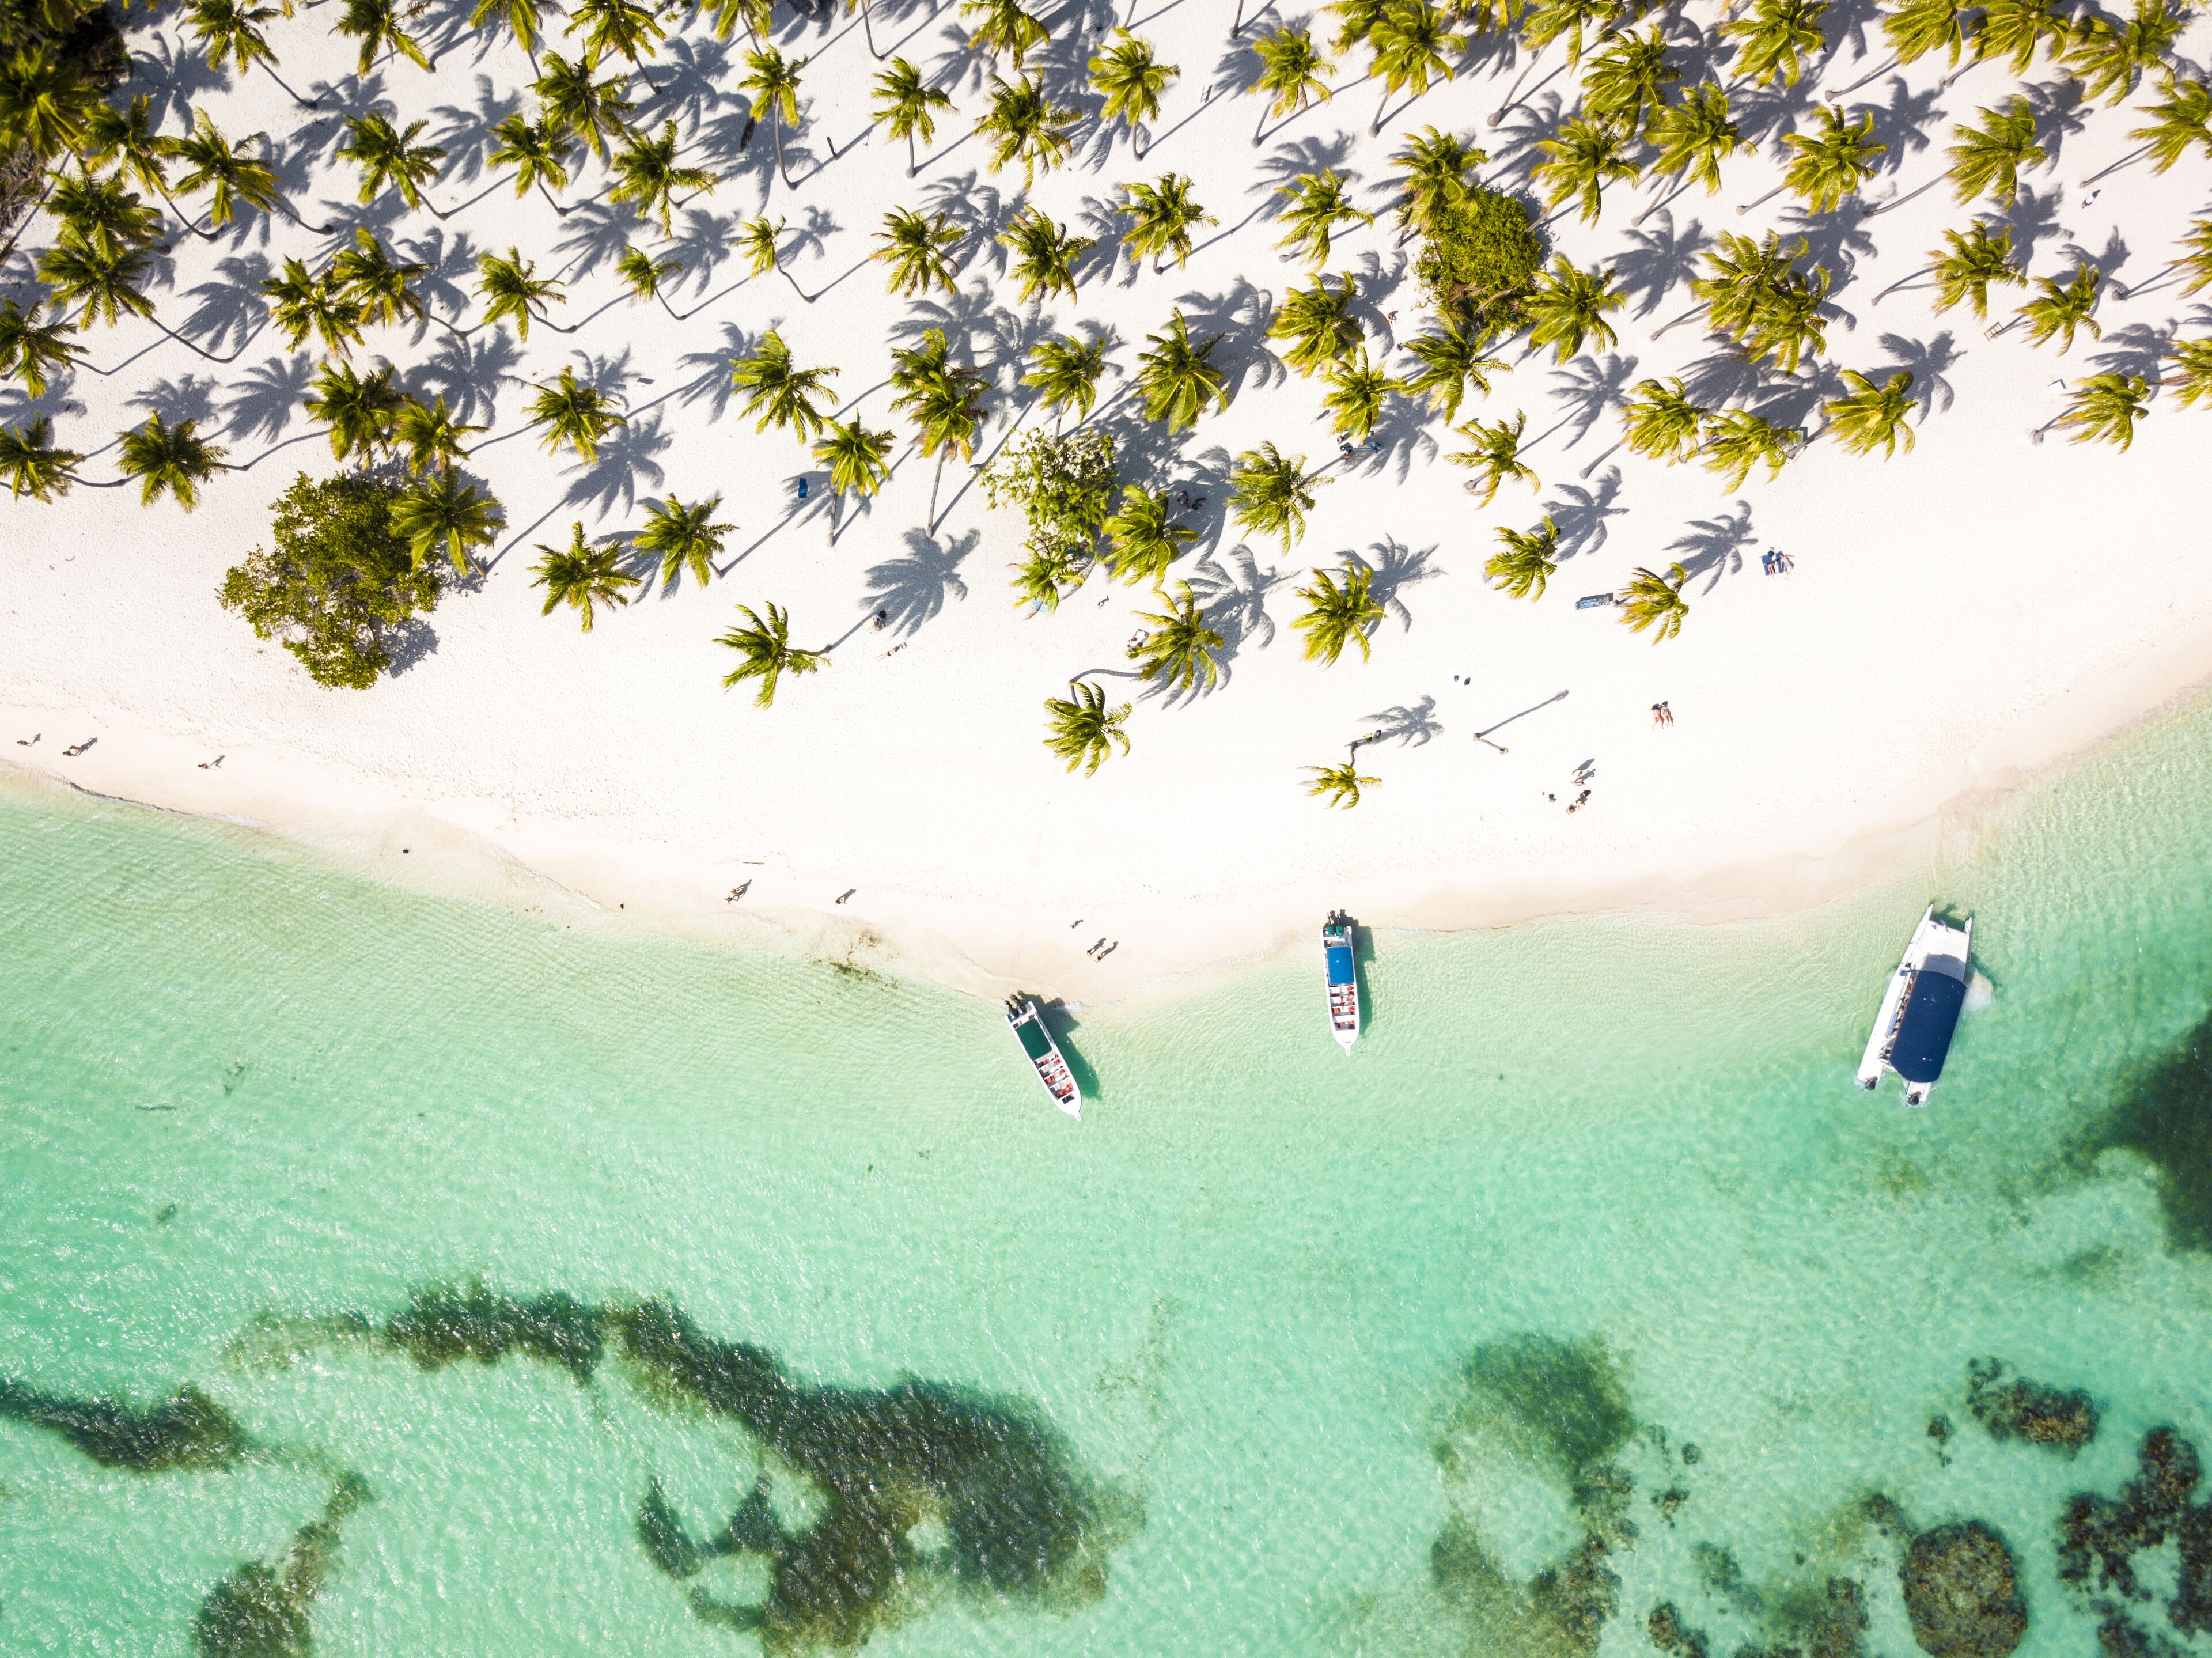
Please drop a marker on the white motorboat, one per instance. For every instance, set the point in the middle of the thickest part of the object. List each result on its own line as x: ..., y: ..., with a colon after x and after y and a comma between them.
x: 1342, y: 973
x: 1920, y: 1009
x: 1044, y: 1056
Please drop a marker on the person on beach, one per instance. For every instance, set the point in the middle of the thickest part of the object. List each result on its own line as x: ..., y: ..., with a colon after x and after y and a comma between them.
x: 1657, y: 718
x: 1665, y: 714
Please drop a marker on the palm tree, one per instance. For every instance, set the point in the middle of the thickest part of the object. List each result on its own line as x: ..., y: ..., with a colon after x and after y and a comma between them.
x: 1971, y: 262
x: 1143, y: 538
x: 1293, y: 72
x: 1065, y: 372
x: 521, y: 17
x: 302, y: 305
x: 1833, y: 161
x: 32, y: 464
x: 358, y: 408
x: 1356, y: 394
x: 917, y: 251
x: 1005, y: 28
x: 1626, y: 82
x: 2014, y: 28
x: 2182, y: 118
x: 2195, y: 260
x: 1040, y: 579
x: 1694, y: 136
x: 2193, y: 381
x: 101, y: 212
x: 2062, y: 308
x: 855, y: 458
x: 1580, y: 159
x: 1044, y: 254
x: 1160, y: 219
x: 1178, y: 649
x: 375, y: 24
x: 169, y: 460
x: 766, y: 653
x: 1920, y: 26
x: 1496, y: 455
x: 105, y: 287
x: 683, y: 538
x: 1736, y: 441
x: 34, y: 351
x: 1083, y: 731
x: 1178, y: 379
x: 908, y: 107
x: 1526, y: 562
x: 758, y: 16
x: 1411, y: 44
x: 1340, y: 783
x: 574, y: 104
x: 390, y: 159
x: 1987, y: 160
x: 231, y: 28
x: 1438, y: 167
x: 124, y: 134
x: 440, y: 513
x: 944, y: 401
x: 772, y: 84
x: 2105, y: 407
x: 46, y: 103
x: 1786, y: 321
x: 622, y: 26
x: 1777, y: 38
x: 1569, y: 305
x: 1130, y: 79
x: 1271, y: 492
x: 430, y: 435
x: 1551, y: 20
x: 867, y: 25
x: 757, y: 241
x: 510, y: 288
x: 1318, y: 323
x: 381, y: 286
x: 538, y: 151
x: 217, y: 167
x: 646, y: 277
x: 580, y: 576
x: 779, y: 394
x: 648, y: 175
x: 1450, y: 360
x: 1660, y: 422
x: 1338, y: 616
x: 1868, y: 414
x: 1023, y: 124
x: 1656, y: 601
x: 574, y: 414
x: 1319, y: 203
x: 2109, y: 56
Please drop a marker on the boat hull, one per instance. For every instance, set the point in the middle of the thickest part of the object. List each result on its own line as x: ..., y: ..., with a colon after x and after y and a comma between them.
x: 1919, y: 1011
x: 1340, y: 979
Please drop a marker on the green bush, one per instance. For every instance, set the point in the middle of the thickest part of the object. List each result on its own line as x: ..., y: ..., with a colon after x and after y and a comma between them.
x: 341, y: 584
x: 1065, y: 485
x: 1481, y: 256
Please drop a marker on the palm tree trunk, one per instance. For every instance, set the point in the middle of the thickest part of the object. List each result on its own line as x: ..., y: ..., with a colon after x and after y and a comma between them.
x: 550, y: 202
x: 1237, y: 27
x: 793, y: 280
x: 1259, y: 130
x: 1870, y: 74
x: 1602, y: 459
x: 868, y: 33
x: 1899, y: 200
x: 45, y: 190
x: 1514, y: 97
x: 933, y: 483
x: 913, y: 161
x: 1674, y: 195
x: 1904, y: 282
x: 779, y: 165
x: 1375, y: 126
x: 189, y: 346
x: 1763, y: 200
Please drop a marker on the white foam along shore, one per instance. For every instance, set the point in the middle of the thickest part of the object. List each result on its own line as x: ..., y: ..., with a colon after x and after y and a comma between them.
x: 1955, y: 618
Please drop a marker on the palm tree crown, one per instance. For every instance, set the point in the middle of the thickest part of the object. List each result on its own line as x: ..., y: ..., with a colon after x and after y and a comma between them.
x: 390, y: 159
x: 1143, y: 538
x: 1271, y: 492
x: 1778, y: 39
x: 1655, y: 602
x: 1662, y: 423
x: 780, y: 394
x: 907, y: 107
x: 1987, y: 160
x: 2105, y: 407
x: 1044, y: 254
x: 1160, y: 218
x: 683, y: 538
x: 1082, y: 730
x: 1178, y: 379
x: 1526, y: 561
x: 1339, y: 614
x: 1974, y: 258
x: 1496, y: 454
x: 1342, y: 783
x: 1319, y: 202
x: 169, y: 460
x: 511, y: 289
x: 1178, y: 650
x: 1131, y: 80
x: 574, y: 414
x: 32, y: 464
x: 1023, y: 124
x: 1580, y: 159
x: 1065, y: 372
x: 582, y: 576
x: 917, y: 251
x: 1869, y: 417
x: 1318, y: 323
x: 1833, y: 160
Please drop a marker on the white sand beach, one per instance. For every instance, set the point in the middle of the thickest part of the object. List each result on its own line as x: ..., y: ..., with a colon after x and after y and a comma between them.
x: 1956, y: 616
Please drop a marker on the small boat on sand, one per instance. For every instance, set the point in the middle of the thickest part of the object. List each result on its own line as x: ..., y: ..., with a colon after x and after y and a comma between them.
x: 1044, y: 1056
x: 1337, y: 936
x: 1920, y: 1009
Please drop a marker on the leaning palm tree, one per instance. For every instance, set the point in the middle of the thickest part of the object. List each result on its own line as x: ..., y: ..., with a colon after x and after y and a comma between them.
x: 1049, y: 574
x: 1130, y: 79
x: 1987, y: 160
x: 122, y: 134
x: 1964, y: 270
x: 102, y: 212
x: 538, y: 152
x: 1496, y: 454
x: 1526, y: 561
x: 33, y: 351
x: 595, y: 113
x: 376, y: 25
x: 1626, y: 81
x: 1833, y: 160
x: 213, y: 164
x: 1342, y: 783
x: 574, y: 414
x: 757, y: 241
x: 856, y: 460
x: 624, y: 26
x: 780, y: 393
x: 1867, y: 416
x: 1317, y: 324
x: 2193, y: 380
x: 2105, y: 407
x: 32, y: 463
x: 908, y: 107
x: 2014, y: 29
x: 2195, y: 260
x: 758, y: 17
x: 1271, y: 492
x: 1569, y: 20
x: 772, y: 84
x: 1045, y: 255
x: 1082, y: 730
x: 765, y: 652
x: 380, y: 285
x: 1338, y: 614
x: 1023, y: 125
x: 944, y: 401
x: 2062, y: 308
x: 300, y: 305
x: 1778, y: 39
x: 1065, y: 372
x: 918, y: 251
x: 1656, y: 601
x: 2181, y: 119
x: 1567, y: 307
x: 683, y: 538
x: 1411, y: 44
x: 1580, y: 159
x: 1177, y: 651
x: 1004, y: 26
x: 232, y: 29
x: 1293, y: 72
x: 646, y: 277
x: 2109, y: 56
x: 647, y: 174
x: 1736, y: 441
x: 169, y: 460
x: 1661, y: 423
x: 1450, y: 360
x: 100, y: 285
x: 1787, y: 322
x: 1357, y: 393
x: 582, y: 576
x: 522, y: 17
x: 1160, y: 219
x: 1692, y: 138
x: 1319, y: 202
x: 430, y: 434
x: 440, y: 513
x: 1438, y: 167
x: 390, y: 159
x: 1178, y: 379
x: 1143, y: 538
x: 511, y: 289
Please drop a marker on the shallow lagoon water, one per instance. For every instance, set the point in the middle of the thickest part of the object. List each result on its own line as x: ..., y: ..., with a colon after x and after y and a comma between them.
x: 1592, y: 1238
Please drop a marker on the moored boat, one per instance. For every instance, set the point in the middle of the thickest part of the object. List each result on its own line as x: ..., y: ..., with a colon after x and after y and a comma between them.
x: 1044, y: 1056
x: 1337, y: 934
x: 1920, y: 1009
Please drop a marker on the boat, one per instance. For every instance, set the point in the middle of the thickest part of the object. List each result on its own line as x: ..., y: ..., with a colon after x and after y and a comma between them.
x: 1337, y: 934
x: 1044, y: 1056
x: 1920, y: 1009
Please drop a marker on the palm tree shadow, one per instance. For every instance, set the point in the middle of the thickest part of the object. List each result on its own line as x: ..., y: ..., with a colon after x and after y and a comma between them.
x: 1514, y: 152
x: 979, y: 209
x: 976, y: 326
x: 265, y: 396
x: 596, y: 234
x: 1581, y: 515
x: 231, y: 308
x: 1240, y: 317
x: 711, y: 379
x: 1714, y: 547
x: 188, y: 398
x: 911, y: 589
x: 1404, y: 433
x: 1926, y: 362
x: 173, y: 77
x: 1396, y: 567
x: 702, y: 240
x: 2140, y: 347
x: 1833, y: 241
x: 2059, y: 112
x: 1656, y: 259
x: 466, y: 135
x: 1414, y: 726
x: 1233, y: 591
x: 693, y: 72
x: 1592, y: 388
x: 626, y: 459
x: 468, y: 373
x: 1902, y: 125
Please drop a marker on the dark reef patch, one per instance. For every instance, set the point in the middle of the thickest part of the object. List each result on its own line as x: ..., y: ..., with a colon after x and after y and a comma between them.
x: 1565, y: 1401
x: 2062, y: 1418
x: 444, y: 1325
x: 1962, y: 1593
x: 1671, y: 1635
x: 187, y: 1431
x: 2165, y: 1112
x: 264, y: 1611
x: 2102, y: 1535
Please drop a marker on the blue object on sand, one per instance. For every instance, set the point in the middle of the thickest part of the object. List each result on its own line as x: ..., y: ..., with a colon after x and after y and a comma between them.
x: 1593, y: 600
x: 802, y: 489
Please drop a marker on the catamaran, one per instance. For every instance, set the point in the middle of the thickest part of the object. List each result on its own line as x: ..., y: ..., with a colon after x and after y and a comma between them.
x: 1044, y: 1056
x: 1920, y: 1009
x: 1336, y: 942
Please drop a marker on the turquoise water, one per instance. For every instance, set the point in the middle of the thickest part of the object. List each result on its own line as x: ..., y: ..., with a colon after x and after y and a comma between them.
x: 1590, y: 1284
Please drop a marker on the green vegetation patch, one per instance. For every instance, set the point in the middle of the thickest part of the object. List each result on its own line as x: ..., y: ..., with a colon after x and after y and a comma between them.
x: 1482, y: 255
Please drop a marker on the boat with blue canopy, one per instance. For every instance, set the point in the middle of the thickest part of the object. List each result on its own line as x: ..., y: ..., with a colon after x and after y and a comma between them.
x: 1920, y: 1009
x: 1342, y: 973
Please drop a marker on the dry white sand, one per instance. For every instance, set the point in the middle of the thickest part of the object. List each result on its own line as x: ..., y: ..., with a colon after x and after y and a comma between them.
x: 1956, y: 616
